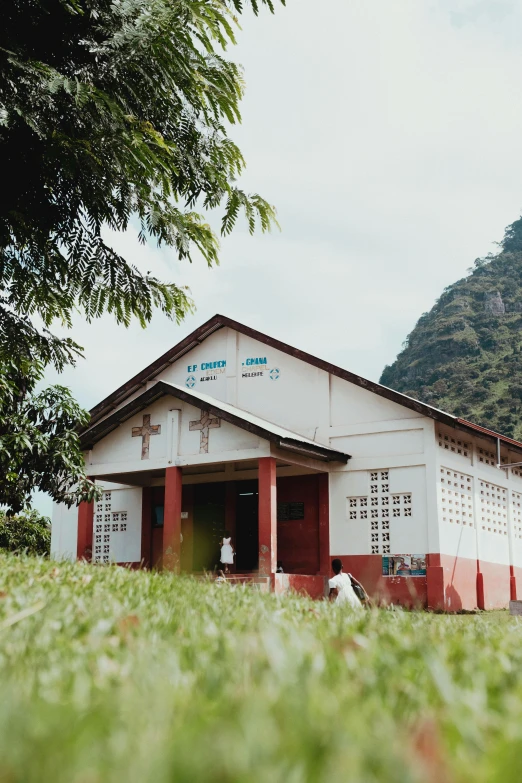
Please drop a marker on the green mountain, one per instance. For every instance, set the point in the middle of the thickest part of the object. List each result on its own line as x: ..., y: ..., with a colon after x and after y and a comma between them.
x: 465, y: 355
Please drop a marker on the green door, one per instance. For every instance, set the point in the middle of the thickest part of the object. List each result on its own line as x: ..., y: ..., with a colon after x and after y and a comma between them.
x: 209, y: 524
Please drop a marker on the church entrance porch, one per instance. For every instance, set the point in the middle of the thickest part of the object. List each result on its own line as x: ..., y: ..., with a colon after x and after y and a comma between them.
x: 289, y: 508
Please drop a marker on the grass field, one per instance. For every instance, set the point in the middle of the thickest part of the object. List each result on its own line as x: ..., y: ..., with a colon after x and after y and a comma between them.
x: 110, y: 675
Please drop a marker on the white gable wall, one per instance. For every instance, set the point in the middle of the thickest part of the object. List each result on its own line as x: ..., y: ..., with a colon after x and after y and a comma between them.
x: 211, y: 351
x: 351, y: 404
x: 277, y: 387
x: 176, y: 443
x: 120, y: 445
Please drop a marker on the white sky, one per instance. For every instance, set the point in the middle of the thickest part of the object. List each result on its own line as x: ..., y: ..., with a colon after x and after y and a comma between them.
x: 387, y: 134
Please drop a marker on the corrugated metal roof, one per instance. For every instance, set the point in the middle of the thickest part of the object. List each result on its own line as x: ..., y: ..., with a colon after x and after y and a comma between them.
x: 207, y: 400
x: 220, y: 321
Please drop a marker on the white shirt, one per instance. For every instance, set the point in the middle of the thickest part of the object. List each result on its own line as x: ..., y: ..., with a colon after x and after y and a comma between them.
x: 346, y: 593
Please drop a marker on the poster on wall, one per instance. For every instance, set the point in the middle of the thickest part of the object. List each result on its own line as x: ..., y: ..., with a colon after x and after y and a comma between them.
x: 404, y: 565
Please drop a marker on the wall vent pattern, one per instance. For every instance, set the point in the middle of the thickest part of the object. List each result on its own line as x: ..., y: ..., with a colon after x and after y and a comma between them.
x: 380, y: 507
x: 456, y: 492
x: 516, y: 515
x: 106, y: 523
x: 493, y: 508
x: 450, y: 443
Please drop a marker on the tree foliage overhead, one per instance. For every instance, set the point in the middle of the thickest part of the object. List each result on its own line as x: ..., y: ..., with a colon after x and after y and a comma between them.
x: 111, y: 111
x: 465, y: 355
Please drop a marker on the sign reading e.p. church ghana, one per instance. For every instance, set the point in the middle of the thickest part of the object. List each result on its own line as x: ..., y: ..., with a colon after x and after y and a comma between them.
x: 251, y: 367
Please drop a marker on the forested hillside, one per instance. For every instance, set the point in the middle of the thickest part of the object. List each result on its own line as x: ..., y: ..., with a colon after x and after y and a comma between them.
x: 465, y: 355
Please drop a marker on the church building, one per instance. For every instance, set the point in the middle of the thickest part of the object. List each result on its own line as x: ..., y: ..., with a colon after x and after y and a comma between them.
x: 301, y: 461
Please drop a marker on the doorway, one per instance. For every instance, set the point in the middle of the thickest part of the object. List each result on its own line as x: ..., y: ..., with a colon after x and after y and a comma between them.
x: 247, y: 526
x: 208, y: 525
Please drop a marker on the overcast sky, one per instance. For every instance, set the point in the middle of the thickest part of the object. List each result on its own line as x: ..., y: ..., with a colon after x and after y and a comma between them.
x: 388, y: 135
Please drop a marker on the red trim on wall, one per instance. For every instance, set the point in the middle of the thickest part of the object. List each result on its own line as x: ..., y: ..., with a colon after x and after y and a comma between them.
x: 313, y: 586
x: 460, y: 582
x: 451, y: 584
x: 411, y: 592
x: 496, y: 584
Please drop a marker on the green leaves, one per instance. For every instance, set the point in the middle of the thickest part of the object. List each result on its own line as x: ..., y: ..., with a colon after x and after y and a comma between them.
x: 29, y: 532
x: 112, y: 114
x: 463, y: 356
x: 115, y: 112
x: 39, y: 443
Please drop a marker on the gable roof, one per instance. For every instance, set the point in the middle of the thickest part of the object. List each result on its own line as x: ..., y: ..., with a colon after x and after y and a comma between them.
x: 221, y: 321
x: 283, y: 438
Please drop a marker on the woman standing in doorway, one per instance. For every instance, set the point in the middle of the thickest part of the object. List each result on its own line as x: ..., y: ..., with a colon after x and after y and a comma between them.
x: 227, y: 553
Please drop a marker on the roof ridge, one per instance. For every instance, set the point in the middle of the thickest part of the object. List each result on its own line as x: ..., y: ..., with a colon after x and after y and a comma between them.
x: 219, y: 321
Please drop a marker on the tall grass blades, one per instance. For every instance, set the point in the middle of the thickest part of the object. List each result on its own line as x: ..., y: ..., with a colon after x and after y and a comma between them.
x: 112, y: 675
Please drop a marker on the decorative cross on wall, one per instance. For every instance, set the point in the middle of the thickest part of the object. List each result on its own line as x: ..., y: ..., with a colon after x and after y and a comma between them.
x: 205, y: 424
x: 145, y: 432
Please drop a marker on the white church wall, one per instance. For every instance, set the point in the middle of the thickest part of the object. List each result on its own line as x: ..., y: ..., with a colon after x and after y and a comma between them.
x: 473, y: 499
x: 258, y: 379
x: 175, y: 442
x: 64, y: 532
x: 409, y: 528
x: 381, y: 444
x: 222, y: 439
x: 515, y: 523
x: 491, y: 514
x: 117, y: 526
x: 379, y: 511
x: 458, y: 534
x: 204, y: 368
x: 281, y: 388
x: 351, y: 404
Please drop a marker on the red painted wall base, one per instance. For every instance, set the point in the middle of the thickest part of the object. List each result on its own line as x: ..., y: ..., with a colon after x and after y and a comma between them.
x: 411, y: 592
x: 452, y: 584
x: 314, y: 586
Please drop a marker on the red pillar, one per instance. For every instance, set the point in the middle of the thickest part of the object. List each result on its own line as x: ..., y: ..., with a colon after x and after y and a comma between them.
x: 172, y: 519
x: 512, y: 584
x: 481, y: 599
x: 85, y: 522
x: 267, y: 516
x: 324, y: 525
